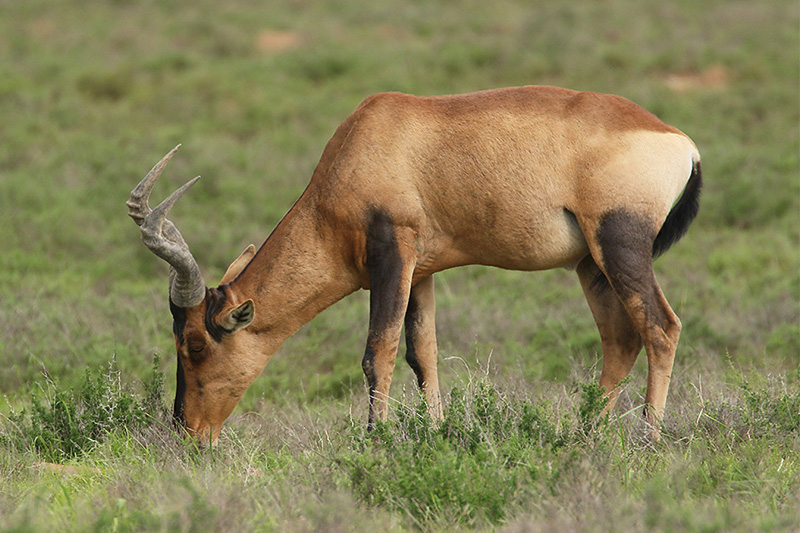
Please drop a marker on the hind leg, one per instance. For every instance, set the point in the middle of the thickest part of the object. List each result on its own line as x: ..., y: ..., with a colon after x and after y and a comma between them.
x: 621, y: 342
x: 621, y: 244
x: 421, y: 351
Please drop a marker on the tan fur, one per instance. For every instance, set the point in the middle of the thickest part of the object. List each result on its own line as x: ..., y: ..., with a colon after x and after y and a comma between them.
x: 483, y: 178
x: 238, y: 265
x: 620, y: 341
x: 424, y: 331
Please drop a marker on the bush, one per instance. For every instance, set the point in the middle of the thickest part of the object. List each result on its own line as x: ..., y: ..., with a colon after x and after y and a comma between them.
x: 65, y: 425
x: 475, y: 466
x: 771, y: 410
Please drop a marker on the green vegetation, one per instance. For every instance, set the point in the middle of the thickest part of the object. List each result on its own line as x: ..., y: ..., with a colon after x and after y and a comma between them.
x: 731, y: 462
x: 93, y: 94
x: 68, y: 425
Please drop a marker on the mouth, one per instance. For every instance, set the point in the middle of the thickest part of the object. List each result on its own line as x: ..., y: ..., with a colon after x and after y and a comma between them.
x: 203, y: 437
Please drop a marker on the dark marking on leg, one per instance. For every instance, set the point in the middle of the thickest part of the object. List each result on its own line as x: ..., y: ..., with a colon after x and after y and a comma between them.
x: 411, y: 323
x: 421, y: 352
x: 599, y: 283
x: 386, y: 307
x: 672, y: 230
x: 620, y: 340
x: 385, y: 266
x: 626, y: 243
x: 368, y: 366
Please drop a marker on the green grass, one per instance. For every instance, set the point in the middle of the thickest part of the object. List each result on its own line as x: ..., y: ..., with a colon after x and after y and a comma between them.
x: 728, y: 461
x: 93, y: 94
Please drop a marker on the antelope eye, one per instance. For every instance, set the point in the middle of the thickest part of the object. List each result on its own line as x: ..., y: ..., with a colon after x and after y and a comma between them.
x: 196, y: 347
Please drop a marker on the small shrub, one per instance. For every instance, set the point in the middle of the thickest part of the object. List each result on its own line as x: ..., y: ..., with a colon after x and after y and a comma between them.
x: 477, y: 464
x: 767, y: 411
x: 593, y: 401
x: 66, y: 425
x: 535, y: 425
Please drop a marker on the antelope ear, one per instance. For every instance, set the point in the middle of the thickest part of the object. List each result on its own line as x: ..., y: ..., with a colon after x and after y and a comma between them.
x: 237, y: 318
x: 237, y: 266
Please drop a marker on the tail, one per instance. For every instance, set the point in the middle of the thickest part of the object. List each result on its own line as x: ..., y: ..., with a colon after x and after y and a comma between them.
x: 681, y: 215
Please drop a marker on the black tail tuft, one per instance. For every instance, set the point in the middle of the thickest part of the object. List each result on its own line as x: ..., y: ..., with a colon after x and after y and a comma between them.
x: 681, y: 215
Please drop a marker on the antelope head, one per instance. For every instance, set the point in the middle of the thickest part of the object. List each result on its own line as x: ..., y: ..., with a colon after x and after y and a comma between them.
x: 208, y: 323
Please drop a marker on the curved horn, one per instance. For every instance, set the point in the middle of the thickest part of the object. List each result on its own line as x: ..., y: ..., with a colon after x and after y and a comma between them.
x: 186, y: 286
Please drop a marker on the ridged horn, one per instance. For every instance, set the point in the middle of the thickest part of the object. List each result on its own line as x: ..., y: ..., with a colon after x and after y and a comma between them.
x: 159, y: 234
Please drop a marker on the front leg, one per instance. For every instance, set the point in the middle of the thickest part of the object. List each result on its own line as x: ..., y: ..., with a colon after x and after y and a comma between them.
x: 390, y: 265
x: 421, y: 352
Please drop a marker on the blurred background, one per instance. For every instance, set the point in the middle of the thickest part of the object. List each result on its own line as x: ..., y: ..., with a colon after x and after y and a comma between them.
x: 92, y: 94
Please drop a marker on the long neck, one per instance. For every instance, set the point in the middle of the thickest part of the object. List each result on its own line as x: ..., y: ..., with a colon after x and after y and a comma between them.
x: 294, y: 276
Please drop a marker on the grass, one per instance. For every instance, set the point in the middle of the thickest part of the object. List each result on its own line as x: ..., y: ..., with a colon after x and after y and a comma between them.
x: 497, y: 459
x: 92, y: 96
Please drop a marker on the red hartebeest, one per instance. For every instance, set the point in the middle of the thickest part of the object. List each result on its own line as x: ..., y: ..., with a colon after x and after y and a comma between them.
x: 526, y: 178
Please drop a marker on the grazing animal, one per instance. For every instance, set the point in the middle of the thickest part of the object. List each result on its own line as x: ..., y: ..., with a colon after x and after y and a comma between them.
x: 525, y: 178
